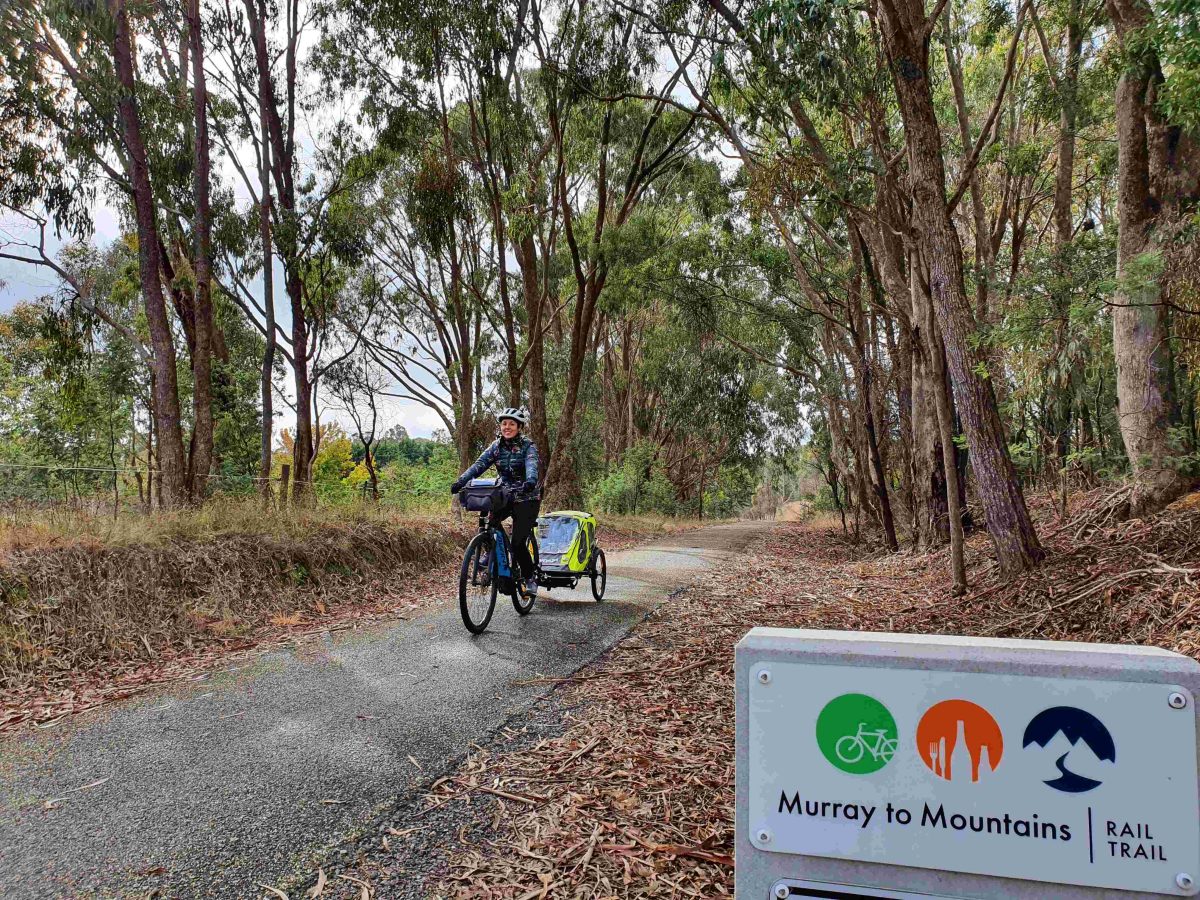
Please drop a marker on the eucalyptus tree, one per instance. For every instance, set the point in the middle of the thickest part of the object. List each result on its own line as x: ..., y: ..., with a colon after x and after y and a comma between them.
x: 820, y: 135
x: 817, y: 206
x: 433, y: 279
x: 237, y: 110
x: 509, y: 144
x: 83, y: 114
x: 269, y: 108
x: 358, y: 383
x: 710, y: 372
x: 469, y: 68
x: 75, y: 389
x: 1158, y: 182
x: 553, y: 111
x: 616, y: 135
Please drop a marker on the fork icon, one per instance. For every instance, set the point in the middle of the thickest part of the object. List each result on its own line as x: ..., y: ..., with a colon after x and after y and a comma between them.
x: 936, y: 752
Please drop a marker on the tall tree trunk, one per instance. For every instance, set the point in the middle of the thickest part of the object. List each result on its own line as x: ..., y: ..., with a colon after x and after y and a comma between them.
x: 169, y: 432
x: 943, y: 402
x: 562, y: 475
x: 877, y: 425
x: 864, y: 370
x: 282, y: 158
x: 928, y: 450
x: 464, y: 434
x: 1139, y: 317
x: 535, y: 362
x: 628, y: 359
x: 900, y: 351
x: 511, y: 348
x: 1067, y: 374
x: 979, y: 218
x: 954, y: 500
x: 1068, y: 84
x: 202, y: 398
x: 1009, y: 524
x: 862, y: 460
x: 264, y: 230
x: 303, y: 450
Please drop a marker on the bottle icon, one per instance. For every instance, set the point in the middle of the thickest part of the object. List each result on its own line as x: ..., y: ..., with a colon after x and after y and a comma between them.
x: 960, y: 759
x: 959, y: 740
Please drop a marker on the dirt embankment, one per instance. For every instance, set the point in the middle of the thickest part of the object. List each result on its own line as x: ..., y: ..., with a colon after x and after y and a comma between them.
x: 76, y: 615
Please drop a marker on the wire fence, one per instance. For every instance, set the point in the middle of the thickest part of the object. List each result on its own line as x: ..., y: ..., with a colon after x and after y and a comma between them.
x: 101, y: 489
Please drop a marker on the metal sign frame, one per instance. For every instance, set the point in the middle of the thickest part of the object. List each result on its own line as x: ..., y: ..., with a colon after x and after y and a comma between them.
x: 760, y: 873
x: 792, y: 888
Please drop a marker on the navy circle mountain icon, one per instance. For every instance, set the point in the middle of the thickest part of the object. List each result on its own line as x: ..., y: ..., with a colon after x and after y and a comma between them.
x: 1067, y: 728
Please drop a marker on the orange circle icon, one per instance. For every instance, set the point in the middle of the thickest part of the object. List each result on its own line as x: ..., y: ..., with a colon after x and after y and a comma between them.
x: 957, y: 738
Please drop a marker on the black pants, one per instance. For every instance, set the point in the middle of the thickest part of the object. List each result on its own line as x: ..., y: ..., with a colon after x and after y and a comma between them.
x: 524, y: 514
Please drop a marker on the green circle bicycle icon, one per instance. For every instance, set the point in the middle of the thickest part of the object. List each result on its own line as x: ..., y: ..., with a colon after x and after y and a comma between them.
x: 857, y: 734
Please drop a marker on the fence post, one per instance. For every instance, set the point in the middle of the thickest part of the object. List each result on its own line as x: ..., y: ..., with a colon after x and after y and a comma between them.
x: 284, y: 474
x: 265, y: 493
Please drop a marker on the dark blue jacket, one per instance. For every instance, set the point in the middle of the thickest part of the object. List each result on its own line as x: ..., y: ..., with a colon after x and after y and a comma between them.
x: 515, y: 460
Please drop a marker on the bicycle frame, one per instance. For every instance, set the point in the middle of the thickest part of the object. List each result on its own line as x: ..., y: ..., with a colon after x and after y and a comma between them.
x: 502, y: 564
x: 874, y: 742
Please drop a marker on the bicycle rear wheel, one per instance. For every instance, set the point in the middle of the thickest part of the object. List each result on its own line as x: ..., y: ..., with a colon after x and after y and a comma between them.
x: 523, y: 603
x: 477, y: 584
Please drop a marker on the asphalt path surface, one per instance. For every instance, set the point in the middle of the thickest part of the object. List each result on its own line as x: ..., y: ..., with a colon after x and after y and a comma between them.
x: 250, y: 776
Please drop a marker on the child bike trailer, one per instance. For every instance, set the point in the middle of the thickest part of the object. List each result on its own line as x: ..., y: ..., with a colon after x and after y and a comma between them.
x: 568, y: 551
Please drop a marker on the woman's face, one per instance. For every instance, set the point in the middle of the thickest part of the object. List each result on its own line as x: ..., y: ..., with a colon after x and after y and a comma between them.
x: 508, y: 429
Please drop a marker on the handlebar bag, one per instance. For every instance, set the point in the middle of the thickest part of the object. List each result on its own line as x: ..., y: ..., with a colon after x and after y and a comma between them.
x: 482, y: 495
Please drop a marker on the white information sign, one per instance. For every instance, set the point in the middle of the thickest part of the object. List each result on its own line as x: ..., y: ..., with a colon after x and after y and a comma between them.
x: 1081, y: 782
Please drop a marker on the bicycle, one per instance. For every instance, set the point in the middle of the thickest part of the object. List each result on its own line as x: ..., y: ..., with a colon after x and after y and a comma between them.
x: 877, y: 743
x: 485, y: 571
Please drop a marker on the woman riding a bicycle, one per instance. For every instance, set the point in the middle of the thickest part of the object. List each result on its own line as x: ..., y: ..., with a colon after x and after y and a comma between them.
x: 516, y: 460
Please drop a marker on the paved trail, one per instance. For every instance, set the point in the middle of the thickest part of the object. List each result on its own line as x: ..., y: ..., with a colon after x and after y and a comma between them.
x: 249, y: 775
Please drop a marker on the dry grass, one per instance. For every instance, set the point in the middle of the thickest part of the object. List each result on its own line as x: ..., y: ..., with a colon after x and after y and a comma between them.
x: 25, y: 528
x: 28, y: 528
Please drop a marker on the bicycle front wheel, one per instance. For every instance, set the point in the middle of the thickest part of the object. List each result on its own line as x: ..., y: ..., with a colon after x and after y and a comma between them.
x: 477, y: 584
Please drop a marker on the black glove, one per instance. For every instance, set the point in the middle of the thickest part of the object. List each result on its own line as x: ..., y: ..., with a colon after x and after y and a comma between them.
x: 530, y: 487
x: 456, y: 487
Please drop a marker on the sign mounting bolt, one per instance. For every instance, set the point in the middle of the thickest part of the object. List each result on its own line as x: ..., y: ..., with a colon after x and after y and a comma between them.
x: 764, y: 836
x: 782, y: 892
x: 1185, y: 881
x: 764, y: 677
x: 1177, y: 701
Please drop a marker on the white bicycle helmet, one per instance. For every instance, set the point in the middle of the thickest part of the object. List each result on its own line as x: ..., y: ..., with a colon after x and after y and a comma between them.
x: 516, y: 413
